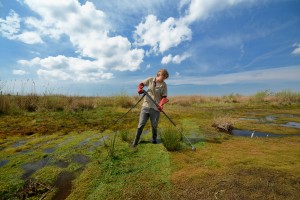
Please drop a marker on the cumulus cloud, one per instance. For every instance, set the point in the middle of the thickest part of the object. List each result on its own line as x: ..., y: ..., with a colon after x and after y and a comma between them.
x: 161, y: 36
x: 175, y: 59
x: 296, y: 51
x: 86, y: 27
x: 264, y: 76
x: 10, y: 28
x: 68, y: 68
x: 19, y: 72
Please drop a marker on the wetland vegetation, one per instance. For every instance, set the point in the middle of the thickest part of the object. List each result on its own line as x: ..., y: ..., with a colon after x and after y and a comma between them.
x: 63, y: 147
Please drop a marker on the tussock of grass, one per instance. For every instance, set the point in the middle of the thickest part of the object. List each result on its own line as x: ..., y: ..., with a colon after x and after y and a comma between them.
x: 171, y: 138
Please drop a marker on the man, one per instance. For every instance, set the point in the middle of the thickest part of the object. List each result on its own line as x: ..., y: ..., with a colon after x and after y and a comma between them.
x: 157, y: 89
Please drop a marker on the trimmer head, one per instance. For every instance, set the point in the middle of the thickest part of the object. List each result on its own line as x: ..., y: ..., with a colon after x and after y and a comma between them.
x: 193, y: 148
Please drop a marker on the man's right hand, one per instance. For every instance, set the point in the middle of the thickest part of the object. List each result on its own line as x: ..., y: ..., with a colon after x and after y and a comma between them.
x: 140, y: 88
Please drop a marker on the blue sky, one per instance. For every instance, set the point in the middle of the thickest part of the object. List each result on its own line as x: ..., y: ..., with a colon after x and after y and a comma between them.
x: 214, y: 47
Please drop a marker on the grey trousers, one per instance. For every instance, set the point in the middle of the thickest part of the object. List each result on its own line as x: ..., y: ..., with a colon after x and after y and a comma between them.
x: 145, y: 114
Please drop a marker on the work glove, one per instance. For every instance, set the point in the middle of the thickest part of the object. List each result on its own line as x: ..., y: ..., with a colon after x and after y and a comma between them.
x: 140, y: 88
x: 163, y: 101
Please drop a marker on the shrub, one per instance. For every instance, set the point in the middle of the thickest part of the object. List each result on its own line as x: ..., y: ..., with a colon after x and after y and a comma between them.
x: 171, y: 138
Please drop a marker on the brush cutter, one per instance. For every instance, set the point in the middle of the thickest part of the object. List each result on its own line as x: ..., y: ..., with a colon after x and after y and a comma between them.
x: 146, y: 93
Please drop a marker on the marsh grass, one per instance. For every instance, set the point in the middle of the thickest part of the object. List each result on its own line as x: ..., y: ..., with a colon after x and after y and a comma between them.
x: 171, y: 138
x: 150, y: 171
x: 127, y: 135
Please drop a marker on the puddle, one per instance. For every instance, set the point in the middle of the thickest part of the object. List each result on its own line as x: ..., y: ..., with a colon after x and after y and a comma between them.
x: 18, y: 144
x: 49, y: 150
x: 66, y: 141
x: 271, y: 118
x: 32, y: 167
x: 3, y: 162
x: 80, y: 159
x: 26, y: 151
x: 83, y: 142
x: 61, y: 164
x: 64, y: 185
x: 291, y: 125
x: 98, y: 142
x: 251, y: 119
x: 247, y: 133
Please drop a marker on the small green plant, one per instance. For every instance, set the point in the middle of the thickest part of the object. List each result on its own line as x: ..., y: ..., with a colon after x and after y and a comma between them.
x: 125, y: 135
x: 111, y: 147
x: 171, y: 138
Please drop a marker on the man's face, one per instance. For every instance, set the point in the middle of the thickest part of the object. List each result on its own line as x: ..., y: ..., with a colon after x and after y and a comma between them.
x: 160, y: 77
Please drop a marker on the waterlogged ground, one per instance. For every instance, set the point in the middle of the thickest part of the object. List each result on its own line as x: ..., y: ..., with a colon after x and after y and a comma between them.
x: 61, y: 155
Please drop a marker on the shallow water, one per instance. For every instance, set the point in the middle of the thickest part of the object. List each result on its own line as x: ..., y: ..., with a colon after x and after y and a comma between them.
x: 49, y: 150
x: 291, y: 125
x: 270, y: 119
x: 3, y: 162
x: 32, y: 167
x: 64, y: 185
x: 247, y: 133
x: 80, y: 159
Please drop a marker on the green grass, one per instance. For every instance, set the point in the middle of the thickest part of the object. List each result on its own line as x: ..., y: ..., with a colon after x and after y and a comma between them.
x: 171, y: 138
x: 224, y: 166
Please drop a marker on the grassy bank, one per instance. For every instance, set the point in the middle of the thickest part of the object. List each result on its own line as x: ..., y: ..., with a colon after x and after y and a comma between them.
x: 50, y: 140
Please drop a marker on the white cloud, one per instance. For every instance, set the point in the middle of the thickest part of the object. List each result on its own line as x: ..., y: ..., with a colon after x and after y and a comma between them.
x: 87, y: 28
x: 296, y: 51
x: 161, y: 36
x: 175, y: 59
x: 10, y: 26
x: 166, y: 59
x: 201, y: 10
x: 88, y: 31
x: 19, y: 72
x: 68, y: 68
x: 263, y: 76
x: 30, y: 38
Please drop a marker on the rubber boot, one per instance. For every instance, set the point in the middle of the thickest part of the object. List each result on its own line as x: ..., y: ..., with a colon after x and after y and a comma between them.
x: 154, y: 135
x: 137, y: 136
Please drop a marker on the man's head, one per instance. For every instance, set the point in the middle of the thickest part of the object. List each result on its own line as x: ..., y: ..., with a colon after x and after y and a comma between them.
x: 163, y: 73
